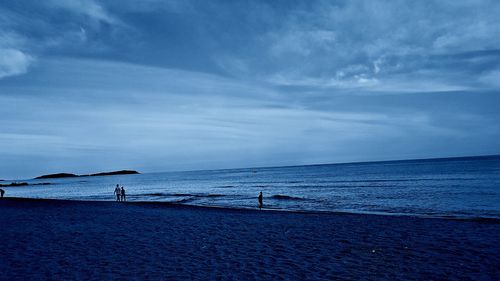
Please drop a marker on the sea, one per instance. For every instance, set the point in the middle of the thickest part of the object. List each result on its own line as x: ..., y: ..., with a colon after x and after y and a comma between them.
x: 465, y: 187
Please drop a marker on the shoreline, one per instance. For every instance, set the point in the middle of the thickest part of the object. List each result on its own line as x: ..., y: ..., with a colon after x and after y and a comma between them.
x: 267, y: 210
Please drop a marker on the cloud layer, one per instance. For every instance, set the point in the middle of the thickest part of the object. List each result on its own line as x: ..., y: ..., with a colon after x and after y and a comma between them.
x: 171, y: 85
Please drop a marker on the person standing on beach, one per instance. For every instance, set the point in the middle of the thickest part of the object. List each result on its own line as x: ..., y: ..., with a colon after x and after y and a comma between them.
x: 118, y: 193
x: 122, y: 192
x: 2, y: 192
x: 261, y: 199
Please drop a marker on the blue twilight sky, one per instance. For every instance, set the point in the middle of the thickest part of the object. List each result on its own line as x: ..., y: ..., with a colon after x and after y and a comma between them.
x: 158, y: 85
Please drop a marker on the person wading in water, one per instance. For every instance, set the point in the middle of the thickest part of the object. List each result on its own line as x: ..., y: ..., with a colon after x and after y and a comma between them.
x: 118, y: 193
x: 122, y: 192
x: 261, y: 198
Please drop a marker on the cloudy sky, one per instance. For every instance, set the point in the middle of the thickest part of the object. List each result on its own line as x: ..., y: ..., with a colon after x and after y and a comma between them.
x: 162, y: 85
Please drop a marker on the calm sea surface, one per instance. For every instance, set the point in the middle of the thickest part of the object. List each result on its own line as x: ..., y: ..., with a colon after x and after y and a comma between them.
x: 460, y: 187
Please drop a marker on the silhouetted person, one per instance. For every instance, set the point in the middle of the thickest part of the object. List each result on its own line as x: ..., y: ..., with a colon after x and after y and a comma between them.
x: 118, y: 193
x: 261, y: 198
x: 122, y: 192
x: 2, y: 192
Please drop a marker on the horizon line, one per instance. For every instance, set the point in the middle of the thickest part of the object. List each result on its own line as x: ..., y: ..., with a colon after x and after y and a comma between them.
x: 336, y: 163
x: 291, y: 166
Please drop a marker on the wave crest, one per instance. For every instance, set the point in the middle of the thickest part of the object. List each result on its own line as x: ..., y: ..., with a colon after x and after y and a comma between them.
x: 286, y: 197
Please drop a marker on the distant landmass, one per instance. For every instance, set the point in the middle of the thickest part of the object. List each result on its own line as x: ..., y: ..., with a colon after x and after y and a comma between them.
x: 68, y: 175
x: 12, y: 184
x: 55, y: 176
x: 122, y: 172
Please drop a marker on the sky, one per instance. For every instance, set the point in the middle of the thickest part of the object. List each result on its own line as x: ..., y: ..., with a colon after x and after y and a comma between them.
x: 166, y: 85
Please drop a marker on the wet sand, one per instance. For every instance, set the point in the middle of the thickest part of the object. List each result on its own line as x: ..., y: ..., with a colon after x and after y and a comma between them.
x: 72, y: 240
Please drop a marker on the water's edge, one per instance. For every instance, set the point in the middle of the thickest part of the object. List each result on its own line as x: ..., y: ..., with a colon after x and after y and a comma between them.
x: 243, y: 209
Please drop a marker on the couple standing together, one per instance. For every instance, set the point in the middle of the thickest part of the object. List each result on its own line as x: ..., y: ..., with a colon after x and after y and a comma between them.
x: 120, y: 193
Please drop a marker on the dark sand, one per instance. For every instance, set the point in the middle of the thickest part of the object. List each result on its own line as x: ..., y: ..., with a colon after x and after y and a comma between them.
x: 48, y: 239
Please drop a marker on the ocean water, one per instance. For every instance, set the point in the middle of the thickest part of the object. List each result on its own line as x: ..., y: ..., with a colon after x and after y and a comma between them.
x: 456, y: 187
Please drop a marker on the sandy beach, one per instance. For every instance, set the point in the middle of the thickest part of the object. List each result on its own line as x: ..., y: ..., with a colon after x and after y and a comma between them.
x: 75, y: 240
